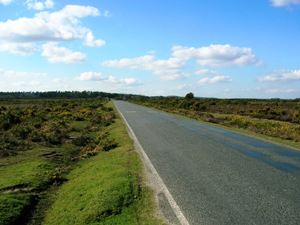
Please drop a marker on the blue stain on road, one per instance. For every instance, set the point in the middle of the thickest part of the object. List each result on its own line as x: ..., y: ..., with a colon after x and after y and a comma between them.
x: 288, y: 153
x: 283, y: 166
x: 287, y: 167
x: 254, y: 154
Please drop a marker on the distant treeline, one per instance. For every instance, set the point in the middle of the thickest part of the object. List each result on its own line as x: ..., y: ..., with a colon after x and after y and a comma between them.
x: 64, y: 95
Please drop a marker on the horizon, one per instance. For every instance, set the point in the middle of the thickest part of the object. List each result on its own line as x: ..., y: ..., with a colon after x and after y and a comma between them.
x: 137, y: 95
x: 215, y: 49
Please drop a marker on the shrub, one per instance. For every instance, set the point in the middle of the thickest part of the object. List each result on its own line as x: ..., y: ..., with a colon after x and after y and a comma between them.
x: 82, y: 140
x: 108, y: 144
x: 36, y: 136
x: 21, y: 131
x: 296, y: 117
x: 108, y: 118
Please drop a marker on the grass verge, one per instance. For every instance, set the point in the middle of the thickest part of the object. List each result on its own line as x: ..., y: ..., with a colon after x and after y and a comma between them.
x: 106, y: 189
x: 22, y: 177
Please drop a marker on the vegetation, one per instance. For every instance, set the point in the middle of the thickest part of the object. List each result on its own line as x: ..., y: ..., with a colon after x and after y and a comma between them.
x: 66, y: 158
x: 106, y: 189
x: 69, y: 148
x: 274, y: 117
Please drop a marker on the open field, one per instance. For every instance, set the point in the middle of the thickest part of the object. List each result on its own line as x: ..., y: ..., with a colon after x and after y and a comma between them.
x: 69, y: 162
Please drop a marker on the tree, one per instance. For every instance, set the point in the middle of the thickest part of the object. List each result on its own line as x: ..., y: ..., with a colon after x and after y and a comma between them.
x: 189, y: 95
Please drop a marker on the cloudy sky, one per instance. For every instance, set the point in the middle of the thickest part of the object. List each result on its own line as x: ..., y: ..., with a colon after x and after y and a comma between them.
x: 216, y: 48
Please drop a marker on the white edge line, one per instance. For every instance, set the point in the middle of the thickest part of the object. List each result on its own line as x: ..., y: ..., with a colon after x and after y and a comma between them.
x: 161, y: 184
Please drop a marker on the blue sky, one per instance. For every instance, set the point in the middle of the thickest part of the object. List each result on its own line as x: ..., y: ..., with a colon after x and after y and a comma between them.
x: 217, y: 48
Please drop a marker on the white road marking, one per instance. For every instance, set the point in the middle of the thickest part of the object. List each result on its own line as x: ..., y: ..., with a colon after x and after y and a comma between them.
x: 160, y: 182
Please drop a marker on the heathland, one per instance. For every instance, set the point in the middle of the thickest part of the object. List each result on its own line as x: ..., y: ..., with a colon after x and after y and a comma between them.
x: 69, y: 161
x: 66, y: 157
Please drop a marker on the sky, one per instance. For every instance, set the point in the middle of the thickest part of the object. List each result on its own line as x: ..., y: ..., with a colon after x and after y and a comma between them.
x: 216, y: 48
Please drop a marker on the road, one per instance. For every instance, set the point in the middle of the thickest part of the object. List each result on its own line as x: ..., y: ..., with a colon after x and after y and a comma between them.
x: 218, y: 176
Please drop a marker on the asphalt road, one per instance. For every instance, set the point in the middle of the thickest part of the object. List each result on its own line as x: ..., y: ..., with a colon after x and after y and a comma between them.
x: 217, y: 176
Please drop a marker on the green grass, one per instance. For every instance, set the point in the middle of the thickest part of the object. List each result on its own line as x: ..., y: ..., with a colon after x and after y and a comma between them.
x: 13, y: 208
x: 28, y: 174
x: 22, y: 178
x: 106, y: 189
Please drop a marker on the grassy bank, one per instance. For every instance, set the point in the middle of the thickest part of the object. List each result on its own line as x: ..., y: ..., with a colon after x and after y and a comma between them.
x: 106, y: 189
x: 69, y: 162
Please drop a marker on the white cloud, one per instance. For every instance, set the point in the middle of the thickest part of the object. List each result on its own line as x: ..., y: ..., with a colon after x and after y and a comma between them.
x: 63, y: 25
x: 130, y: 81
x: 206, y: 72
x: 33, y: 4
x: 281, y: 3
x: 214, y: 80
x: 87, y: 76
x: 170, y: 69
x: 213, y: 55
x: 6, y: 2
x: 57, y: 54
x: 217, y: 55
x: 282, y: 76
x: 18, y: 48
x: 135, y: 63
x: 98, y: 76
x: 14, y: 74
x: 90, y: 40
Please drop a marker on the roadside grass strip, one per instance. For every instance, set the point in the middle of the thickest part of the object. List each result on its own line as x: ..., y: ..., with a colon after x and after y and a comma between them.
x: 106, y: 189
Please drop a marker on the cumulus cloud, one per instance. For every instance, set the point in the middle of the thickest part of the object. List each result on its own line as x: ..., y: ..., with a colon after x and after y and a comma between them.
x: 282, y: 3
x: 134, y: 63
x: 130, y: 81
x: 6, y: 2
x: 213, y: 56
x: 56, y: 54
x: 63, y: 25
x: 217, y: 55
x: 90, y: 40
x: 170, y: 69
x: 33, y: 4
x: 98, y: 76
x: 206, y: 72
x: 282, y: 76
x: 18, y: 48
x: 214, y: 80
x: 87, y: 76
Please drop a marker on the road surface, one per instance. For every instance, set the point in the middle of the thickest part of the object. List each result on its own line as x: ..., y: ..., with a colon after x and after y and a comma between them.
x: 217, y: 176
